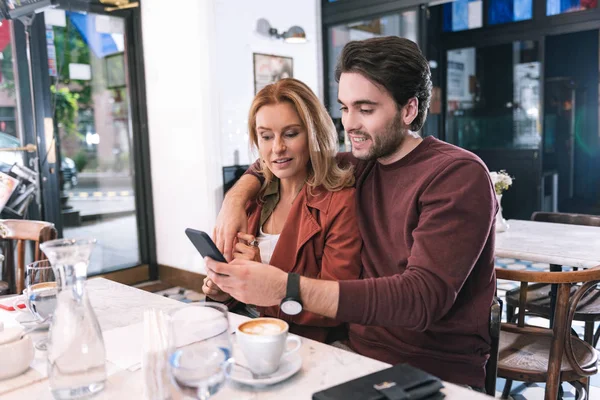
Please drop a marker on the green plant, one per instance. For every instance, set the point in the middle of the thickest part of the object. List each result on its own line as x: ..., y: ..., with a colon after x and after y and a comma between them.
x: 66, y: 109
x: 8, y: 77
x: 81, y: 160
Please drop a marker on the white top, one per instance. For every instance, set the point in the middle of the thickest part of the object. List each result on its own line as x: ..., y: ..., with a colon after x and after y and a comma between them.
x: 266, y: 244
x: 118, y: 305
x: 562, y: 244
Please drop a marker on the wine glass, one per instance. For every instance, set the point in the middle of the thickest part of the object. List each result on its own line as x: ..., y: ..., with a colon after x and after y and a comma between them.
x: 201, y: 355
x: 40, y: 282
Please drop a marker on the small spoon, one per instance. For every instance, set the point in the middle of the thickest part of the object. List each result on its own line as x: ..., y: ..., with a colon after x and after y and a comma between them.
x: 254, y: 376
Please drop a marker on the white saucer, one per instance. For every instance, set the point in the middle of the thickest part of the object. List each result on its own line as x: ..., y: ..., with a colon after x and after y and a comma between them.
x: 289, y: 366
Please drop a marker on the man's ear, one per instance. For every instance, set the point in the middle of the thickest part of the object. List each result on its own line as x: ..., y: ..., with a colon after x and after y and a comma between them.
x: 410, y: 111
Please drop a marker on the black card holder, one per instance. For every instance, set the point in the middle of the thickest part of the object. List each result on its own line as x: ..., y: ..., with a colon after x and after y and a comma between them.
x: 400, y: 382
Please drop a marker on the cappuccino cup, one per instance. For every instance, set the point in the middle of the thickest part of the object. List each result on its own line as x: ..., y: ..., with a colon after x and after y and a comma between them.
x: 264, y: 342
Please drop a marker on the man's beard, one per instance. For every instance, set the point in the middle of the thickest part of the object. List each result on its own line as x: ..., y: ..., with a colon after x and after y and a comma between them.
x: 387, y: 142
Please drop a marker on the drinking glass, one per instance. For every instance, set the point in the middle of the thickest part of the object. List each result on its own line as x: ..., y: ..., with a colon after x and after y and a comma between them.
x: 200, y: 357
x: 40, y: 295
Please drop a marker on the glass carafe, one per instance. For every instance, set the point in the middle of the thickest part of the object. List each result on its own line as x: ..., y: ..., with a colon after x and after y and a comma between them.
x: 76, y: 353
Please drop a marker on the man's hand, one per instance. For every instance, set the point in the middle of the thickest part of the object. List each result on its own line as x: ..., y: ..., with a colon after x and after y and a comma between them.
x: 211, y: 290
x: 248, y: 281
x: 231, y: 219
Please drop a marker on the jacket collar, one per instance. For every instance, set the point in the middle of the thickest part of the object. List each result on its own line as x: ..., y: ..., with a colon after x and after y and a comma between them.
x: 301, y: 224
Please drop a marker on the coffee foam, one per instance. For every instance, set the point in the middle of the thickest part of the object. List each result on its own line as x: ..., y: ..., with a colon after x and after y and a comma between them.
x: 262, y: 327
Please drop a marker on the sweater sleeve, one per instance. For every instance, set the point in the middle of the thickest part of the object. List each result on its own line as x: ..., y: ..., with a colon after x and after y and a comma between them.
x: 456, y: 218
x: 254, y: 170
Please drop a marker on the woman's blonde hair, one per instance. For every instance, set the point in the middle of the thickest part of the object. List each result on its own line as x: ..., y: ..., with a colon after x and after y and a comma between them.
x: 322, y: 135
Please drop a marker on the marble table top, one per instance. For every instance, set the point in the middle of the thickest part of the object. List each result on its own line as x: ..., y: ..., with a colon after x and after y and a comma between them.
x: 562, y: 244
x: 118, y: 306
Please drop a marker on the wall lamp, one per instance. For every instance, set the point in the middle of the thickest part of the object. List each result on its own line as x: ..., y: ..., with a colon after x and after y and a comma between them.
x: 293, y: 35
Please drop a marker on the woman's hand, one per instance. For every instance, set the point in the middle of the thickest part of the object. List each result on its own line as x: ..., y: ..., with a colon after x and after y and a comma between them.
x: 214, y: 292
x: 246, y: 248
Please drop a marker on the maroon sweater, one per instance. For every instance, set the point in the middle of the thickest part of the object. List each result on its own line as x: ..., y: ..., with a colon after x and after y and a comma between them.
x: 427, y: 224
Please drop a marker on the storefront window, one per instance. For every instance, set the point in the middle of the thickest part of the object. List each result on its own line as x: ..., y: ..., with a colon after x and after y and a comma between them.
x: 90, y: 98
x: 10, y: 135
x: 555, y: 7
x: 403, y: 24
x: 484, y: 115
x: 461, y: 15
x: 503, y: 11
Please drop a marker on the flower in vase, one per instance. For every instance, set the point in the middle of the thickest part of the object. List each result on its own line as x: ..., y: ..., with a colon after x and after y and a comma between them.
x: 501, y: 181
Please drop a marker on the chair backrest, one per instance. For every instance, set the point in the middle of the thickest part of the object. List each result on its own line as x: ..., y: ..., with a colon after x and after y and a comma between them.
x: 491, y: 367
x: 566, y: 306
x: 20, y: 232
x: 565, y: 218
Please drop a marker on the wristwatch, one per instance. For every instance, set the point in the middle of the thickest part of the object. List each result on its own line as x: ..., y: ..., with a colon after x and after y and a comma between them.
x: 291, y: 303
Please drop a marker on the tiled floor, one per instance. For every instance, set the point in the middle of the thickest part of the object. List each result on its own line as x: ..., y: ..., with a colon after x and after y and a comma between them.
x: 181, y: 294
x: 519, y: 391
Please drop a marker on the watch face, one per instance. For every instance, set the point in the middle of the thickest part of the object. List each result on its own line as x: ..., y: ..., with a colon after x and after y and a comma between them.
x: 291, y: 307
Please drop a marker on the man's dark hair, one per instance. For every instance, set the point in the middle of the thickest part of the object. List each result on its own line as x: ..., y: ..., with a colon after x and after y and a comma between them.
x: 394, y: 63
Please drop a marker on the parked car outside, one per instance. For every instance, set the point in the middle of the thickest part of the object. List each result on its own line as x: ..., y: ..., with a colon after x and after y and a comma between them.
x: 69, y: 173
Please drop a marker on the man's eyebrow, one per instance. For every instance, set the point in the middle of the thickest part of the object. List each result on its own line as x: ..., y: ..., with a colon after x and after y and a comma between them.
x: 361, y: 102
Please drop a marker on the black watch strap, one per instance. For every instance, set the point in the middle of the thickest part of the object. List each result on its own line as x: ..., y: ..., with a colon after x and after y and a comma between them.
x: 293, y: 287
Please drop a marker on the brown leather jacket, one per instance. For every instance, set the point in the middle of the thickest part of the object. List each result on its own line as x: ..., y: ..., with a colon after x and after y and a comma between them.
x: 320, y: 239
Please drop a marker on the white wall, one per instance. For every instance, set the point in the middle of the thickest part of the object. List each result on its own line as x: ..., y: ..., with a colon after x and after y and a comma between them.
x: 199, y: 76
x: 179, y: 57
x: 237, y: 41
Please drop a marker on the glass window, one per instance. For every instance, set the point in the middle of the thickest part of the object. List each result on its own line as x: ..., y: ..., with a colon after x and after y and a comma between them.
x: 502, y: 11
x: 8, y: 94
x: 90, y: 97
x: 485, y: 115
x: 404, y: 24
x: 9, y: 116
x: 555, y: 7
x: 463, y: 14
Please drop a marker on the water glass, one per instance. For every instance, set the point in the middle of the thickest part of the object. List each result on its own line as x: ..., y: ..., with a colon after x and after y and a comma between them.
x: 40, y: 294
x: 41, y: 289
x: 200, y: 358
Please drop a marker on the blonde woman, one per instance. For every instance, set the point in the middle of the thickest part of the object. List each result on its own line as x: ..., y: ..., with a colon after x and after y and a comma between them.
x: 304, y: 220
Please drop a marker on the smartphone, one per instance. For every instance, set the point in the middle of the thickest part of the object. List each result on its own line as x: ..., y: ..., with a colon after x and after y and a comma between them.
x: 204, y: 245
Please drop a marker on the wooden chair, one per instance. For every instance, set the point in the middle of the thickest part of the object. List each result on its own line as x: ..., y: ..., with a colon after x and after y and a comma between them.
x: 491, y: 367
x: 21, y: 232
x: 539, y: 299
x: 533, y: 354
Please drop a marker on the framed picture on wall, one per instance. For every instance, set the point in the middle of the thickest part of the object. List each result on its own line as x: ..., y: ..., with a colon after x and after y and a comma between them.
x: 269, y: 68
